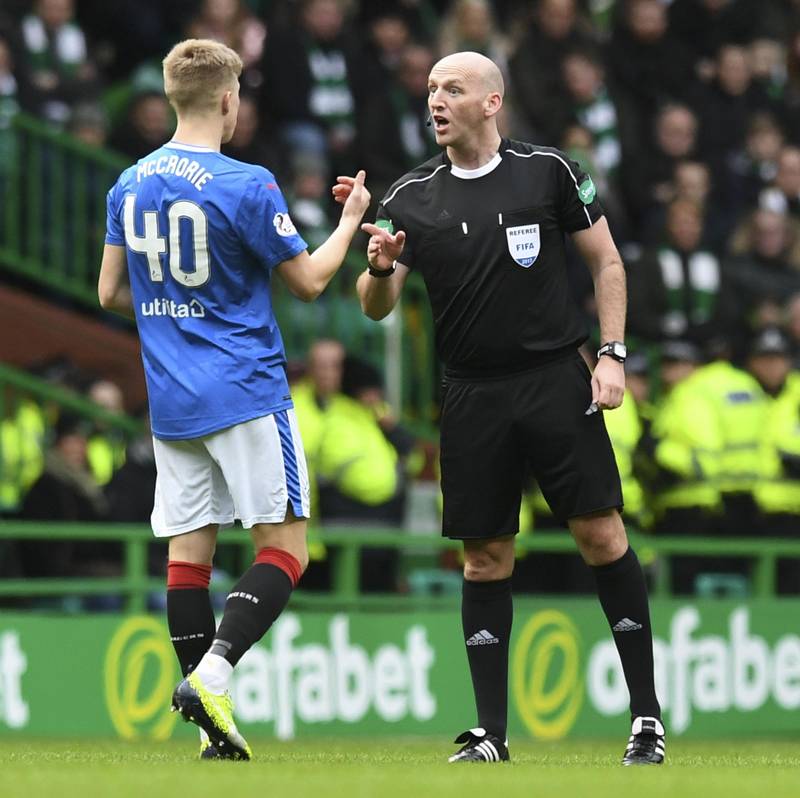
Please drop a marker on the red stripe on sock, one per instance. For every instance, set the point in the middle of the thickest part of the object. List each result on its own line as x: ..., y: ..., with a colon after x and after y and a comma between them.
x: 281, y: 559
x: 187, y: 575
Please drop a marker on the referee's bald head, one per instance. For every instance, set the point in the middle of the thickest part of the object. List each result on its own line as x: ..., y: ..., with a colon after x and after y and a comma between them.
x: 471, y: 65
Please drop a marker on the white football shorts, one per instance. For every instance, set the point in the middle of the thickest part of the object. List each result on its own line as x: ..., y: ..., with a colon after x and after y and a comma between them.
x: 250, y: 471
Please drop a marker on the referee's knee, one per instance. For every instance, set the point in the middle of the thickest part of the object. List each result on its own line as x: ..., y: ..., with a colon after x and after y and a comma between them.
x: 488, y: 561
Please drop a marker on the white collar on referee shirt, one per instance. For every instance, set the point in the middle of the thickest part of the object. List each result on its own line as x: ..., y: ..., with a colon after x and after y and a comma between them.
x: 471, y: 174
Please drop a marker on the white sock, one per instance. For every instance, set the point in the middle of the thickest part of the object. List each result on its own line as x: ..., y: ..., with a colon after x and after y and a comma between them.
x: 214, y: 672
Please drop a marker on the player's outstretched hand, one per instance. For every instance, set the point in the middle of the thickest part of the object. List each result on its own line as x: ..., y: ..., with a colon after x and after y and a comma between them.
x: 383, y: 248
x: 352, y: 193
x: 343, y: 188
x: 608, y: 383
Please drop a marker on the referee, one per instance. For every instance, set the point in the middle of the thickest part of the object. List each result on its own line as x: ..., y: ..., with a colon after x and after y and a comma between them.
x: 484, y: 224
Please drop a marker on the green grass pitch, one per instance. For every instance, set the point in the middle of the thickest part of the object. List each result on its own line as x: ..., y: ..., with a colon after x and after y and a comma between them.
x: 407, y: 768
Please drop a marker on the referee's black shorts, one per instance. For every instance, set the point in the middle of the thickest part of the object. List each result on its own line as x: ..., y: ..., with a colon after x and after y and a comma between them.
x: 491, y: 429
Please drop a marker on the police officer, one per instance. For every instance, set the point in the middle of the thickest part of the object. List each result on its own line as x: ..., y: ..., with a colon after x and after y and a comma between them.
x: 484, y: 223
x: 777, y: 493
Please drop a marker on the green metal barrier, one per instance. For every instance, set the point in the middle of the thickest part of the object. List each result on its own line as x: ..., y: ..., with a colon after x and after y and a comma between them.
x: 52, y: 208
x: 135, y: 583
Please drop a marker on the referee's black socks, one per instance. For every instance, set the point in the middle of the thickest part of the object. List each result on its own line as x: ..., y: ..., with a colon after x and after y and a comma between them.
x: 623, y: 595
x: 486, y: 615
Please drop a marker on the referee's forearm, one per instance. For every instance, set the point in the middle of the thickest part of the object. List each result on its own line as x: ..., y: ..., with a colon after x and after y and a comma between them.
x: 611, y: 298
x: 378, y: 296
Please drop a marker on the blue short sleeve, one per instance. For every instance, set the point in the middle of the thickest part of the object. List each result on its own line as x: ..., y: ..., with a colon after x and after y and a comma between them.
x: 264, y: 223
x: 115, y: 234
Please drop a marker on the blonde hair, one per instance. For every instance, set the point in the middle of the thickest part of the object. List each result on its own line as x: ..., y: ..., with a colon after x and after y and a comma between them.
x: 195, y: 70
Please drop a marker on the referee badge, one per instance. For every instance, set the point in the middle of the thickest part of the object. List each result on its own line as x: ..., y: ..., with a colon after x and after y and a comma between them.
x: 523, y: 244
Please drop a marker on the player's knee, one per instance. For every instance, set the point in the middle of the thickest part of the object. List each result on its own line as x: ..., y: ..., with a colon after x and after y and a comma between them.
x: 194, y: 547
x: 299, y: 551
x: 302, y: 558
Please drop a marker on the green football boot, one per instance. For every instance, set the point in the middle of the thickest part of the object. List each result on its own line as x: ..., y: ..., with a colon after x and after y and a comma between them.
x: 214, y: 715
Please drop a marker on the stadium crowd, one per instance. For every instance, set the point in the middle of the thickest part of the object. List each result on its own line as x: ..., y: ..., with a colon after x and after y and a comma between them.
x: 685, y: 112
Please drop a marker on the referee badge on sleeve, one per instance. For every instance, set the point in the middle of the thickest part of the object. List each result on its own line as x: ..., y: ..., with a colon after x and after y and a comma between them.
x: 523, y: 244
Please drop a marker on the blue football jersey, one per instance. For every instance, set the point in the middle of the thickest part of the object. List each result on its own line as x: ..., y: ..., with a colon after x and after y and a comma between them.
x: 203, y: 233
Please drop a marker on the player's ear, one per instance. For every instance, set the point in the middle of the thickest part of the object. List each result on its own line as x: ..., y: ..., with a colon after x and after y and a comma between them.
x: 226, y: 103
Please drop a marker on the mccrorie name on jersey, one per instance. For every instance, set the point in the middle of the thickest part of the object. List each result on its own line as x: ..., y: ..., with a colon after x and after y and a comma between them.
x: 174, y: 165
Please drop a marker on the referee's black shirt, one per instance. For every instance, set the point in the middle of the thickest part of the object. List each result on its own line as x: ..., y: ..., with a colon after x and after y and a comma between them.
x: 489, y: 244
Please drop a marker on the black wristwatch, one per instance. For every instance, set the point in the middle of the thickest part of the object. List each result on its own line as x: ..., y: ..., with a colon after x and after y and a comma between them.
x: 379, y: 273
x: 614, y: 349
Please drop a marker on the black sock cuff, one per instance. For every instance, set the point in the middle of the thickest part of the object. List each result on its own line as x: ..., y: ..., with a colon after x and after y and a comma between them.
x: 482, y: 591
x: 620, y: 567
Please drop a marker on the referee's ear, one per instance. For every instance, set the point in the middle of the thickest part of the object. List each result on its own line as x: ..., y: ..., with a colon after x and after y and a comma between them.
x: 492, y: 104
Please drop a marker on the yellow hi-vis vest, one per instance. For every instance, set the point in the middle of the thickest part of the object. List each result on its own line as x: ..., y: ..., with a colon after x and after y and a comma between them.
x: 106, y: 455
x: 625, y: 429
x: 21, y: 453
x: 311, y: 421
x: 741, y: 411
x: 778, y: 491
x: 355, y: 455
x: 709, y: 431
x: 687, y: 446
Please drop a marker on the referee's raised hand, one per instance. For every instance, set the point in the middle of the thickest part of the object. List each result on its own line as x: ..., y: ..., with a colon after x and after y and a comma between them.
x: 383, y: 248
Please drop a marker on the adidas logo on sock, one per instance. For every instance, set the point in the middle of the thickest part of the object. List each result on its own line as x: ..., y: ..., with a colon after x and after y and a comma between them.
x: 626, y: 625
x: 482, y: 638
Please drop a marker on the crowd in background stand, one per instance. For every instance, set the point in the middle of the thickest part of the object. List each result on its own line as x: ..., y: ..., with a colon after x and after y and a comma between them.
x: 685, y: 112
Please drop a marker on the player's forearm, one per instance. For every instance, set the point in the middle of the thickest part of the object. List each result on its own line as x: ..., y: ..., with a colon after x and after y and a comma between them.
x: 328, y: 258
x: 610, y: 296
x: 378, y: 296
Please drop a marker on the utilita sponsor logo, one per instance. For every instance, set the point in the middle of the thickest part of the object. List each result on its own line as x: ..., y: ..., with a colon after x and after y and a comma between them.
x: 173, y: 309
x: 335, y: 680
x: 704, y: 673
x: 14, y: 710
